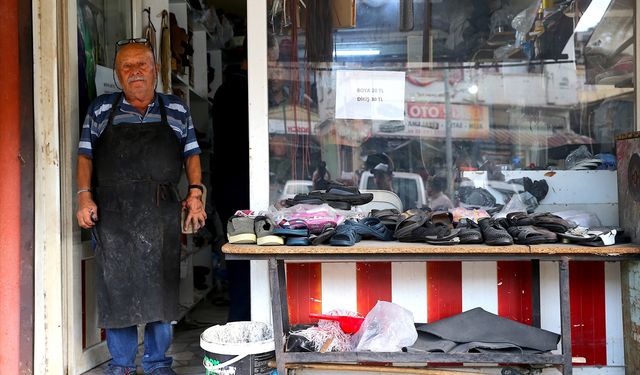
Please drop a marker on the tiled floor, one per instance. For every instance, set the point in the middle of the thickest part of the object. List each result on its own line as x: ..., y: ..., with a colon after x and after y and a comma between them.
x: 186, y: 352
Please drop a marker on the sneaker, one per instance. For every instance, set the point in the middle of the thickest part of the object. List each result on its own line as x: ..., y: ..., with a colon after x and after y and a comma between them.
x: 264, y: 227
x: 240, y: 230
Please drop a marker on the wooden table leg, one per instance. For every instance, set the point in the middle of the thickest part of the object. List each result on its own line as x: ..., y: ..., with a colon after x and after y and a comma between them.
x: 565, y: 316
x: 535, y: 293
x: 279, y: 310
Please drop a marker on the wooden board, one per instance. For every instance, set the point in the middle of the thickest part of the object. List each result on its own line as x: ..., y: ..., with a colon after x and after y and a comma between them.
x: 375, y: 247
x: 394, y: 247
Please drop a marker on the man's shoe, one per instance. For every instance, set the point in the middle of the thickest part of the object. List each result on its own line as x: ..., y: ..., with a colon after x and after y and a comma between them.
x: 119, y: 370
x: 163, y: 371
x: 240, y: 229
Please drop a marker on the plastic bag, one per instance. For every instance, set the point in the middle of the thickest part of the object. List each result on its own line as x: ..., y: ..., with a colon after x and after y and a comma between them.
x: 581, y: 153
x: 515, y: 204
x: 523, y: 22
x: 328, y: 330
x: 579, y: 217
x: 317, y: 217
x: 387, y: 328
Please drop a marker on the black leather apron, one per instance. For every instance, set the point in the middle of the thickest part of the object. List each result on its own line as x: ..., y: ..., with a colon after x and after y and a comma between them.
x: 135, y: 170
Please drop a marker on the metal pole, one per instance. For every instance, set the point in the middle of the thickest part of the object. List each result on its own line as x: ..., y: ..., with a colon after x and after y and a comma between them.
x: 448, y: 142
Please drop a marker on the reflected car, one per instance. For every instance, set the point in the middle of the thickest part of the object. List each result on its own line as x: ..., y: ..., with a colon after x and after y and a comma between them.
x: 408, y: 186
x: 293, y: 187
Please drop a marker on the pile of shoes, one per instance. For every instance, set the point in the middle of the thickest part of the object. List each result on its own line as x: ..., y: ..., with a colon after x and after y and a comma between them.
x: 419, y: 225
x: 248, y: 229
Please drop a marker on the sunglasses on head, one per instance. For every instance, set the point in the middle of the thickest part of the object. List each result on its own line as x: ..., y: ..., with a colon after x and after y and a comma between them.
x: 124, y: 42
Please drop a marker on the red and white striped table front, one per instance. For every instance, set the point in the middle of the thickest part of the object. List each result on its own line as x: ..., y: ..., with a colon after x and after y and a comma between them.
x: 436, y: 289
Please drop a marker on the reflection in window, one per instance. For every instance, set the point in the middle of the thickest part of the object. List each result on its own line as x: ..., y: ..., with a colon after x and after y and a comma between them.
x: 486, y: 90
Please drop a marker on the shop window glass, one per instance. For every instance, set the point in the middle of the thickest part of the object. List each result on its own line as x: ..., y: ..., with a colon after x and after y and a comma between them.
x: 100, y: 24
x: 445, y: 91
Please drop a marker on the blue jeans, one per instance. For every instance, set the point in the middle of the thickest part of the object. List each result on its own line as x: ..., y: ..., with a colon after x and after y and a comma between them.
x: 123, y: 346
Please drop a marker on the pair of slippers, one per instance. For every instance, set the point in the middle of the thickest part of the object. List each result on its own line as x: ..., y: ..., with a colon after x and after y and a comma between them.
x: 315, y: 200
x: 295, y: 232
x: 419, y: 225
x: 351, y: 231
x: 531, y: 235
x: 337, y: 196
x: 388, y: 216
x: 345, y: 194
x: 544, y: 220
x: 324, y: 236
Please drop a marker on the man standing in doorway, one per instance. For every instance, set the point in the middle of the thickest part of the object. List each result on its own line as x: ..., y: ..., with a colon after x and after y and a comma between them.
x: 230, y: 164
x: 132, y: 150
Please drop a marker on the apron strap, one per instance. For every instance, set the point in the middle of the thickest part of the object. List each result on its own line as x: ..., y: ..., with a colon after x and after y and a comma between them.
x: 114, y: 107
x: 163, y: 111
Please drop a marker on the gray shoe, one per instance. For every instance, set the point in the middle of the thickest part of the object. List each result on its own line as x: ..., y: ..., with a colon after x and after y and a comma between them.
x: 240, y: 230
x: 264, y: 227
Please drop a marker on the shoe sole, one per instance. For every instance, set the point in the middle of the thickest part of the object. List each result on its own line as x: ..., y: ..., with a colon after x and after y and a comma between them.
x: 270, y: 240
x: 242, y: 238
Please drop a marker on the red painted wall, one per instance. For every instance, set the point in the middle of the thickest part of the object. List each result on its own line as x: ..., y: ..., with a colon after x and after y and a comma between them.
x: 9, y: 189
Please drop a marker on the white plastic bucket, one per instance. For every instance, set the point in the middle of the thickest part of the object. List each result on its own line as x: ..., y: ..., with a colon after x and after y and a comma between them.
x: 237, y: 348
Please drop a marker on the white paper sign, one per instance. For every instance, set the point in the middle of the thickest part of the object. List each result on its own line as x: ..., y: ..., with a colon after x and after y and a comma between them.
x: 369, y: 95
x: 105, y: 80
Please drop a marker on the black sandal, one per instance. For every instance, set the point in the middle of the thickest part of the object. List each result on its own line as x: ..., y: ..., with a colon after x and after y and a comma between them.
x: 389, y: 217
x: 494, y: 234
x: 407, y: 222
x: 531, y: 235
x: 469, y: 231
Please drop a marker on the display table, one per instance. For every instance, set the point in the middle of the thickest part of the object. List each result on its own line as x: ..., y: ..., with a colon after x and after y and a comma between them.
x: 371, y: 251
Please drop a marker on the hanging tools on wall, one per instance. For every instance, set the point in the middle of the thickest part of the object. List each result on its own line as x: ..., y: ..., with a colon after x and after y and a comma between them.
x: 149, y: 32
x: 165, y: 53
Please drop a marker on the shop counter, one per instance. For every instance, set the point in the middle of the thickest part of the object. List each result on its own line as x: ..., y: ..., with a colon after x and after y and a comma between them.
x: 372, y: 251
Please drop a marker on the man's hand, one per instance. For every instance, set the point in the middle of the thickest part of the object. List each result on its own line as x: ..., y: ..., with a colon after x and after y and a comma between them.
x: 196, y: 215
x: 87, y: 213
